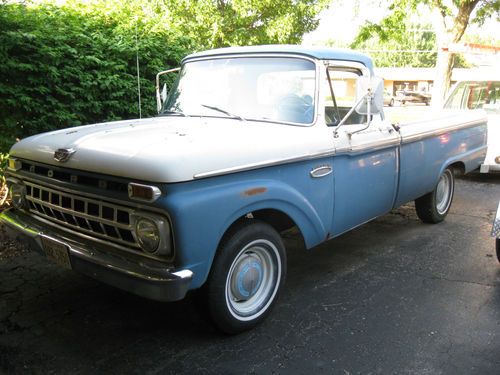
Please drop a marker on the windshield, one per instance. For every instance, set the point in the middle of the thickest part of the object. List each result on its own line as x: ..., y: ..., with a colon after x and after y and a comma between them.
x: 476, y: 95
x: 247, y: 88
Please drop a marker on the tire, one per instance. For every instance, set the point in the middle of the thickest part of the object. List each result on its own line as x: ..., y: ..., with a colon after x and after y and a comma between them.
x: 247, y: 276
x: 434, y: 206
x: 391, y: 103
x: 498, y: 248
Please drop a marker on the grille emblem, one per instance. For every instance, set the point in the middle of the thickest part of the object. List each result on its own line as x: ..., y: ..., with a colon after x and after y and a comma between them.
x: 63, y: 154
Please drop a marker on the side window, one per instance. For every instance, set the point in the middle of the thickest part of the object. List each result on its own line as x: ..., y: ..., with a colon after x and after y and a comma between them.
x: 458, y: 96
x: 474, y: 95
x: 492, y: 103
x: 343, y: 84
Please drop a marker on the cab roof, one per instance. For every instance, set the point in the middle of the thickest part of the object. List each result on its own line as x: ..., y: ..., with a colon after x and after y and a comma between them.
x: 319, y: 53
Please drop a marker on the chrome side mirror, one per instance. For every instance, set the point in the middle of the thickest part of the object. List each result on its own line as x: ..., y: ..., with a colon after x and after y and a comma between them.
x: 372, y: 89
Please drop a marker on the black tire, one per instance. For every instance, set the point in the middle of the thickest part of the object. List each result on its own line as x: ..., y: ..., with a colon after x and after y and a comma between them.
x: 434, y: 206
x: 498, y: 248
x: 246, y: 277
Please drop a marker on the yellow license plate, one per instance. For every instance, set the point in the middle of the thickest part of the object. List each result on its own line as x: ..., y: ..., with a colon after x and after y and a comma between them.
x: 56, y: 252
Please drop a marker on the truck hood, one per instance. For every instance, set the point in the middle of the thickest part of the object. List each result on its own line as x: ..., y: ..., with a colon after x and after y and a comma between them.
x: 174, y: 149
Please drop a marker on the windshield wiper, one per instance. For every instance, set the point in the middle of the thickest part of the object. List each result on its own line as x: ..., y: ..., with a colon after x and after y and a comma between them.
x: 223, y: 111
x: 166, y: 113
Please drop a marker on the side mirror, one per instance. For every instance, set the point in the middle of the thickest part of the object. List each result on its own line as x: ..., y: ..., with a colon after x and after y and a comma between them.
x: 373, y: 89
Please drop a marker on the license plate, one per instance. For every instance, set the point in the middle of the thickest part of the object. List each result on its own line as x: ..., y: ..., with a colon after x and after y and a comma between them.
x: 56, y: 252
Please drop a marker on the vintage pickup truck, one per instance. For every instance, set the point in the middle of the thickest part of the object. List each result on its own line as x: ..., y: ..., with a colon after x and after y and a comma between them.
x: 251, y: 141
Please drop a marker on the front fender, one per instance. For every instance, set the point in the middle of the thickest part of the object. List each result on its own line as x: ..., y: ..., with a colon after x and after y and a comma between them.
x: 202, y: 212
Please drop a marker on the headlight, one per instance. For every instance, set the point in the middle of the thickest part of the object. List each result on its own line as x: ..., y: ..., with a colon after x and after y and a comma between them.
x: 152, y: 233
x: 148, y: 235
x: 17, y: 194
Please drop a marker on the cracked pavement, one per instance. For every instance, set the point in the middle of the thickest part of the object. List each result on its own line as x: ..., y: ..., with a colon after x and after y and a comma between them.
x: 394, y: 296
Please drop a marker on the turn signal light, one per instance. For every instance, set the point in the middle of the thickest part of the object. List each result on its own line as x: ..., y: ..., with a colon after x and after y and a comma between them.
x: 14, y: 165
x: 141, y: 192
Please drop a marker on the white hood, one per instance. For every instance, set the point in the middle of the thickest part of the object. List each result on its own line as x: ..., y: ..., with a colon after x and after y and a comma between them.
x: 173, y: 149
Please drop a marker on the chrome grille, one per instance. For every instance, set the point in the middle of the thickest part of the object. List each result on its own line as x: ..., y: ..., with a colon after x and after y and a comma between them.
x: 91, y: 216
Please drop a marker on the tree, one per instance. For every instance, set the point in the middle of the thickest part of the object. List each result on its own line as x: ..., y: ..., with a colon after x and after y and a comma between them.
x: 221, y: 23
x: 450, y: 24
x: 450, y: 19
x: 415, y: 46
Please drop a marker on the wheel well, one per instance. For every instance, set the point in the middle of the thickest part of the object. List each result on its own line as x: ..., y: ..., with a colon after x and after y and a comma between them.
x: 458, y: 168
x: 275, y: 218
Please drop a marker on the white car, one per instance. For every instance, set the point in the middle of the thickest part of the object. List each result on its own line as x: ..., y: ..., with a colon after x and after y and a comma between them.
x: 483, y: 95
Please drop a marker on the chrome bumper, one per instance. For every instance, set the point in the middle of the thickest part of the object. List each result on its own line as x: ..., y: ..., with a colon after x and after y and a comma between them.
x: 133, y: 273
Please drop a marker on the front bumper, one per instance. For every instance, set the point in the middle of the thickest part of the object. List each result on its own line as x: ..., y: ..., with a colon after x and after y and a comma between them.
x: 135, y: 274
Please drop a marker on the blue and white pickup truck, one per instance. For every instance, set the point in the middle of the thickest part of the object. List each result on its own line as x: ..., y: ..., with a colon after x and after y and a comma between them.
x: 250, y: 142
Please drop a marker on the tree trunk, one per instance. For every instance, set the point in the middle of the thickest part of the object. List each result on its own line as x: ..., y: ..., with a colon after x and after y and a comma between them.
x: 442, y: 80
x: 444, y: 36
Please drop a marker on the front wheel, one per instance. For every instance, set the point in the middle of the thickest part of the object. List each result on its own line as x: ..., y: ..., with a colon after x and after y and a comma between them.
x: 434, y: 206
x: 247, y: 275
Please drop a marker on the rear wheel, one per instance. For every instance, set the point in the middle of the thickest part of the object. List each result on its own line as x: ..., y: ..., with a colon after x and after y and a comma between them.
x: 246, y: 278
x: 498, y: 248
x: 434, y: 206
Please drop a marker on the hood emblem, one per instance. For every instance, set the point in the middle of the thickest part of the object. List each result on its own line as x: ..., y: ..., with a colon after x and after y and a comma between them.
x: 63, y: 154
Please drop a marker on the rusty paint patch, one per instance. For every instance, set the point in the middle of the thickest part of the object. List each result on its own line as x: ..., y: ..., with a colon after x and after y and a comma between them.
x: 254, y: 191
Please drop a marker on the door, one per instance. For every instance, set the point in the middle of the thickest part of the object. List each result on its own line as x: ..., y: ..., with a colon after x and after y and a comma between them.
x: 365, y: 164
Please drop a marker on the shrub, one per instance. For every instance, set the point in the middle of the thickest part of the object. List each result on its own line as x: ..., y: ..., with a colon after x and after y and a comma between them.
x: 65, y: 66
x: 3, y: 184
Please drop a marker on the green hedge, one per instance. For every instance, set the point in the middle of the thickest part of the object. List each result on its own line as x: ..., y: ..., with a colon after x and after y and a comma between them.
x: 64, y: 66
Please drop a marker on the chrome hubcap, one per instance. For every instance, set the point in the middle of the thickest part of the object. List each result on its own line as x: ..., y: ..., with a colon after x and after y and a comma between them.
x: 247, y: 277
x: 443, y: 192
x: 253, y: 280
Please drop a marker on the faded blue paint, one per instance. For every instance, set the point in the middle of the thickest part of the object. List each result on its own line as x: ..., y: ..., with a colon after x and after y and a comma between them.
x: 423, y: 161
x: 202, y: 211
x: 364, y: 185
